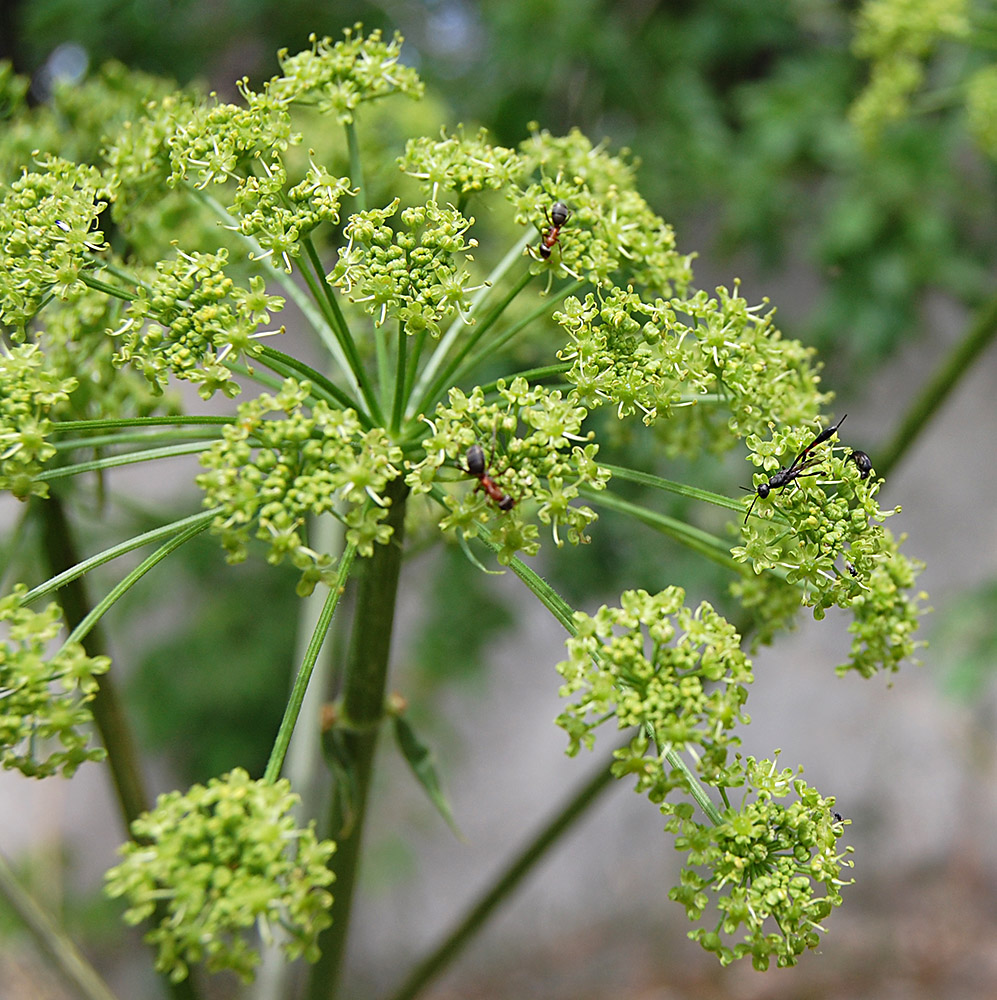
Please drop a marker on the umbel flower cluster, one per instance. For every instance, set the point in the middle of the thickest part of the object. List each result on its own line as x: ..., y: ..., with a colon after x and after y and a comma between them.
x: 469, y: 376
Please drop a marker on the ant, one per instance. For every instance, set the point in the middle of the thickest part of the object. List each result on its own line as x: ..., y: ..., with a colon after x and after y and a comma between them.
x: 477, y: 467
x: 800, y: 464
x: 556, y: 218
x: 863, y: 461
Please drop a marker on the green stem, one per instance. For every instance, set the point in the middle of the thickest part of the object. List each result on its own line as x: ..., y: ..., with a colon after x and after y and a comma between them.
x: 356, y: 166
x: 515, y: 872
x: 283, y: 363
x: 362, y: 708
x: 497, y: 344
x: 102, y: 286
x: 92, y: 562
x: 398, y: 404
x: 979, y: 336
x: 326, y: 300
x: 294, y: 703
x: 67, y: 960
x: 444, y: 378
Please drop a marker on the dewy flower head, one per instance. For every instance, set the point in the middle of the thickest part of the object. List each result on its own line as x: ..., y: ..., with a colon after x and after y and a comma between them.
x: 220, y: 861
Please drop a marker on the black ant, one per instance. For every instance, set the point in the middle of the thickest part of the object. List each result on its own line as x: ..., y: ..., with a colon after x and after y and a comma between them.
x: 478, y: 467
x: 799, y: 465
x: 556, y: 218
x: 863, y: 461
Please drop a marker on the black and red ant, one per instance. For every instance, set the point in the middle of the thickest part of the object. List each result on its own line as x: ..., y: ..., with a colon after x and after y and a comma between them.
x: 556, y: 219
x: 800, y: 464
x: 477, y: 466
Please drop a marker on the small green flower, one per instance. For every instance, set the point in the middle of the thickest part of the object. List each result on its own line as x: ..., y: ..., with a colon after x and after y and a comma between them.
x: 417, y: 276
x: 30, y: 392
x: 276, y: 473
x: 47, y: 235
x: 678, y: 675
x: 213, y: 864
x: 337, y: 77
x: 188, y: 318
x: 43, y: 695
x: 824, y: 533
x: 461, y: 165
x: 774, y: 870
x: 544, y: 467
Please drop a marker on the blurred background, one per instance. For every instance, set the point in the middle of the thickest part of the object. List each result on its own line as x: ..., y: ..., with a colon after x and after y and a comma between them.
x: 880, y: 254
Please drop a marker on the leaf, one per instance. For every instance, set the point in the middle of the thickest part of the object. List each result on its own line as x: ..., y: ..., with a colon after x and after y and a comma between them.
x: 420, y: 759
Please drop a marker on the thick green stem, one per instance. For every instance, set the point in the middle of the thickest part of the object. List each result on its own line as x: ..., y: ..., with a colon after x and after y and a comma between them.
x: 362, y: 709
x: 979, y: 336
x: 505, y: 884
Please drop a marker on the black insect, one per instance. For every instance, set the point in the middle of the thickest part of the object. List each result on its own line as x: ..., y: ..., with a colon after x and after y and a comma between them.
x: 863, y: 461
x: 802, y: 463
x: 478, y: 467
x: 556, y: 218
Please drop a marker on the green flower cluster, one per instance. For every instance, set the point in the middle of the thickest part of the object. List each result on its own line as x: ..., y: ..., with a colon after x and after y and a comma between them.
x: 615, y: 237
x: 413, y: 275
x: 764, y: 863
x: 336, y: 78
x: 678, y: 674
x: 460, y: 164
x: 44, y: 695
x: 547, y: 464
x: 188, y: 318
x: 29, y: 394
x: 898, y: 36
x: 276, y: 473
x: 213, y: 863
x: 47, y: 236
x: 825, y: 536
x: 656, y: 357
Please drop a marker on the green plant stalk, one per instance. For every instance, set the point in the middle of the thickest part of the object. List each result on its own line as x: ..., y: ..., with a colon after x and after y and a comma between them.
x: 444, y: 378
x: 496, y: 344
x: 362, y: 709
x: 505, y: 884
x: 459, y: 324
x: 356, y: 165
x: 979, y: 336
x: 283, y: 363
x: 294, y: 703
x: 326, y: 301
x: 92, y: 562
x: 51, y: 939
